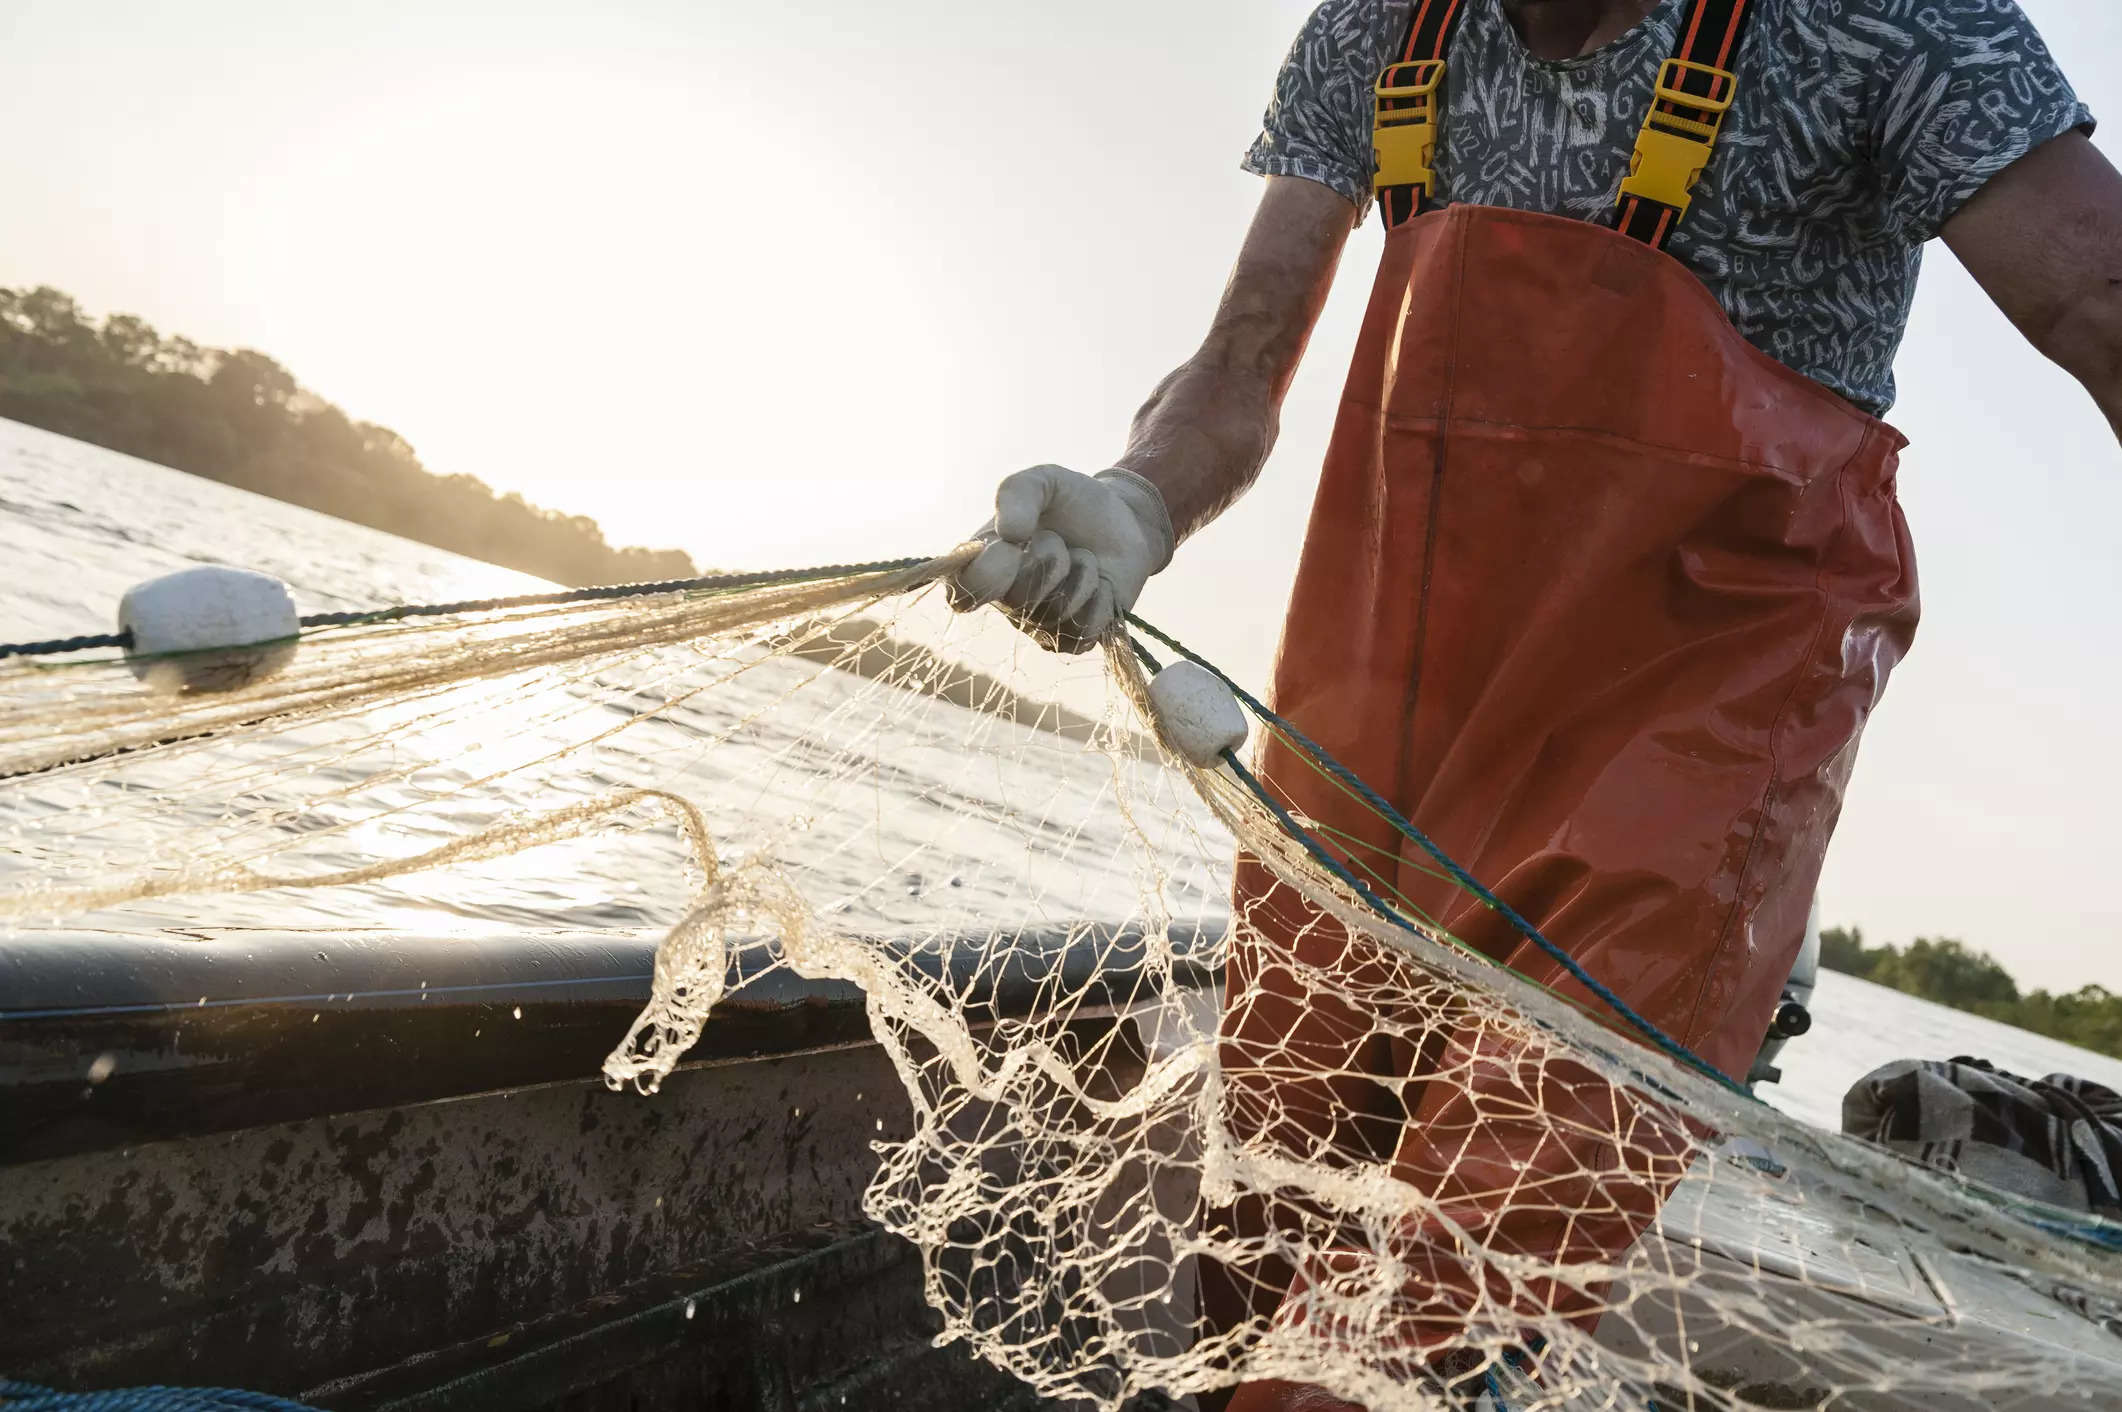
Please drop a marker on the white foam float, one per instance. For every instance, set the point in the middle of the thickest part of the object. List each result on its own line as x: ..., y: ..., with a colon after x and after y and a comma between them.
x: 210, y: 628
x: 1196, y: 713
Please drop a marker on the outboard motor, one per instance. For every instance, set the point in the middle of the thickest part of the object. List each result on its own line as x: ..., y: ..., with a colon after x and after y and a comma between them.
x: 1792, y: 1018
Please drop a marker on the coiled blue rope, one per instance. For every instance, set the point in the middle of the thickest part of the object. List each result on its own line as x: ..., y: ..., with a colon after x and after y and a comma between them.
x: 30, y: 1397
x: 1319, y: 755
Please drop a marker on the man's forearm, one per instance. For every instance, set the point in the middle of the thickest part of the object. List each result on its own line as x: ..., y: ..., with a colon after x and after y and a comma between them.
x: 1202, y: 437
x: 1204, y: 434
x: 2087, y: 342
x: 2044, y: 238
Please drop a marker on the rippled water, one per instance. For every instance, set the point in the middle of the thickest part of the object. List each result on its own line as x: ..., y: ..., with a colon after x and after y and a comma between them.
x: 81, y: 525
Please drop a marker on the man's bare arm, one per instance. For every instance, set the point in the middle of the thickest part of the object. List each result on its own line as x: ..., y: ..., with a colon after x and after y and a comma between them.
x: 1206, y: 431
x: 1066, y: 554
x: 2044, y: 239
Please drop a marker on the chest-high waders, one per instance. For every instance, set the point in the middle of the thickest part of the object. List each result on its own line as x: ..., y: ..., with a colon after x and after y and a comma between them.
x: 1599, y: 596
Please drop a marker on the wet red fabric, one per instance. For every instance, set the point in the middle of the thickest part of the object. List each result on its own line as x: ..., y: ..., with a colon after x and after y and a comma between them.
x: 1600, y: 596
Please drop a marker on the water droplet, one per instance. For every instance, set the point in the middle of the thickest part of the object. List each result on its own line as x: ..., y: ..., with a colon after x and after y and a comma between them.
x: 688, y: 1309
x: 102, y: 1068
x: 518, y: 1012
x: 799, y: 1296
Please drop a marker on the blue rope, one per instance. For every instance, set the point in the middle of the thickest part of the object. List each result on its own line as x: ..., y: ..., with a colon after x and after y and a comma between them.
x: 30, y: 1397
x: 2088, y: 1230
x: 52, y: 647
x: 1341, y: 772
x: 601, y: 593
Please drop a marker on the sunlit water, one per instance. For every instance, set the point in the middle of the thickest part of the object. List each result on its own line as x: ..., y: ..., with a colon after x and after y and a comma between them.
x: 81, y: 525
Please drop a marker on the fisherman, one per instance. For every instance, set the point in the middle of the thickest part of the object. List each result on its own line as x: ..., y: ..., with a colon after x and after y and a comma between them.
x: 1605, y: 569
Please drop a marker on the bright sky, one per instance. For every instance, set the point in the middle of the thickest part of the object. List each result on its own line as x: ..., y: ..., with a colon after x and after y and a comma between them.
x: 797, y: 281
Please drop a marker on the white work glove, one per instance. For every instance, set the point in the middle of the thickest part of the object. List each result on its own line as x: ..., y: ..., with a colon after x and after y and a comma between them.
x: 1067, y: 554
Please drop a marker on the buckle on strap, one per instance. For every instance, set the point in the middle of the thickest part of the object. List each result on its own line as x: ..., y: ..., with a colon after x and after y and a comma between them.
x: 1404, y: 138
x: 1674, y: 148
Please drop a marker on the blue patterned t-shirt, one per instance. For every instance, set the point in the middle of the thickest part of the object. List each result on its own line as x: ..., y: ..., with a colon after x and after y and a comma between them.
x: 1861, y: 126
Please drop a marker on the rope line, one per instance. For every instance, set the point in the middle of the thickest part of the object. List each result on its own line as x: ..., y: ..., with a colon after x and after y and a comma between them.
x: 1658, y: 1037
x: 33, y: 1397
x: 52, y: 647
x: 601, y: 593
x: 605, y: 592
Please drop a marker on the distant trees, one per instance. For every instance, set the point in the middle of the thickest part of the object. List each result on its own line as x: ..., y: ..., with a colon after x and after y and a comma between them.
x: 238, y: 417
x: 1953, y: 973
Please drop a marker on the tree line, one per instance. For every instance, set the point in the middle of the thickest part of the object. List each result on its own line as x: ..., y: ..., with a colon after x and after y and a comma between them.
x: 1953, y: 973
x: 238, y: 417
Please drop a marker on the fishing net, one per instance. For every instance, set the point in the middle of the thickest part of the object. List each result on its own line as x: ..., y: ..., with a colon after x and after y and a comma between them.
x: 1033, y: 892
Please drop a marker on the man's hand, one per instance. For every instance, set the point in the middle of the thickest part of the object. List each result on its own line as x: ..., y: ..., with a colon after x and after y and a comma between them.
x: 1067, y: 554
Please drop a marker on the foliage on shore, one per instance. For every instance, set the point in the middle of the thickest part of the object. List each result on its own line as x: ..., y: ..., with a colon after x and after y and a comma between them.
x: 238, y: 417
x: 1953, y: 973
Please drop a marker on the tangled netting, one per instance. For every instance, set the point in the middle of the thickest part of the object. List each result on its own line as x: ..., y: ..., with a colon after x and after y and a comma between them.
x: 1033, y: 894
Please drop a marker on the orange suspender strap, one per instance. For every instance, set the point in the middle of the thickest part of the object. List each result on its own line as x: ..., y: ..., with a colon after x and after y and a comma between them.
x: 1408, y: 101
x: 1694, y: 91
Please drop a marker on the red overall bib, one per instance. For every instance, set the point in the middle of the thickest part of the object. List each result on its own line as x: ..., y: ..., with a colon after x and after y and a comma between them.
x: 1599, y: 596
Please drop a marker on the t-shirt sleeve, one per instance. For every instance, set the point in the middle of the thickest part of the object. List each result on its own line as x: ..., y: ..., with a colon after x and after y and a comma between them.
x: 1961, y: 90
x: 1318, y: 122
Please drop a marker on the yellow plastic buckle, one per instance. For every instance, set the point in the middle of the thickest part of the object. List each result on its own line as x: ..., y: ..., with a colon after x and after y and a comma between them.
x: 1404, y: 138
x: 1673, y: 150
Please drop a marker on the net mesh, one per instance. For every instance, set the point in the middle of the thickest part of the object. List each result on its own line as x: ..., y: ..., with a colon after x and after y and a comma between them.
x: 1131, y: 1167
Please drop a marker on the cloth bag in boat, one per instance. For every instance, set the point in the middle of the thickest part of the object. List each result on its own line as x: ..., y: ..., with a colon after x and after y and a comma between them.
x: 1599, y: 596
